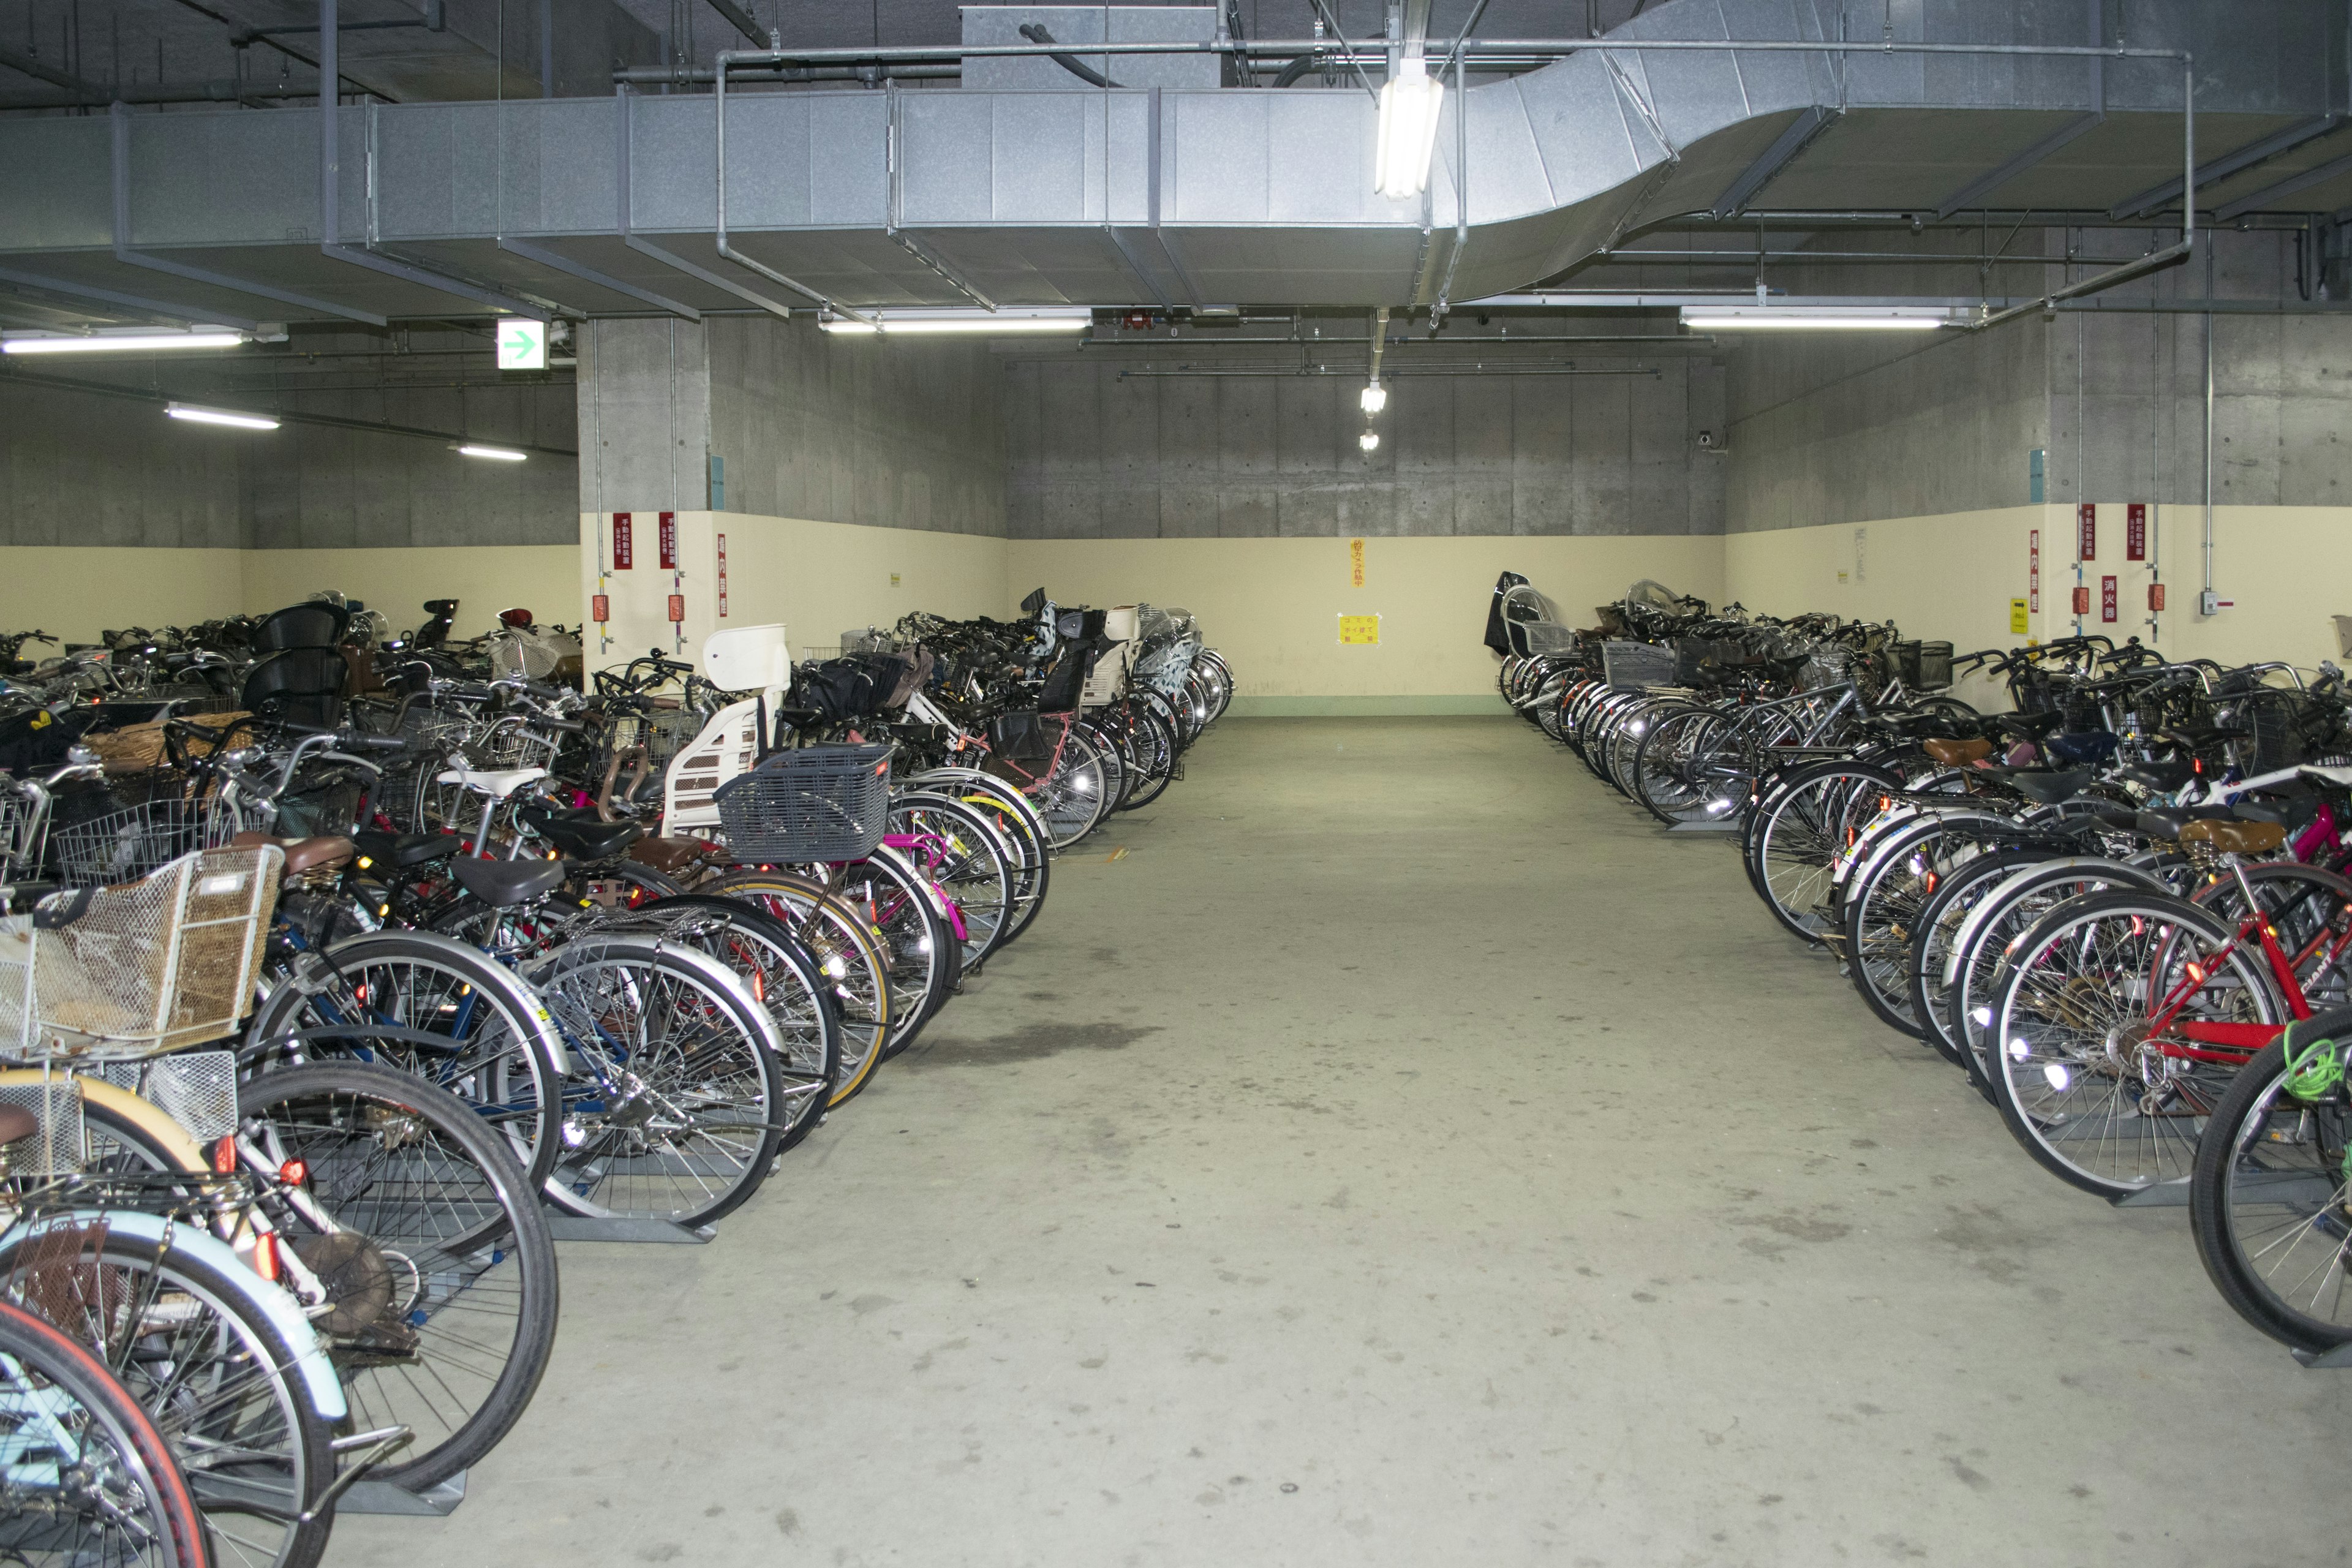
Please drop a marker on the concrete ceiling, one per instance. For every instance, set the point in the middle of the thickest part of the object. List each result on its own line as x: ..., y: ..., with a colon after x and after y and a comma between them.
x: 1257, y: 196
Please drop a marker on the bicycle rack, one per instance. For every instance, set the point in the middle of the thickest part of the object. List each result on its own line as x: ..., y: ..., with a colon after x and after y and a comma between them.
x: 2171, y: 1194
x: 384, y: 1498
x: 627, y: 1227
x: 2337, y: 1359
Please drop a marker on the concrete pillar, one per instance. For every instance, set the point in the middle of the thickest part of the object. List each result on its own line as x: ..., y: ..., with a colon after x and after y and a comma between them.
x: 645, y: 416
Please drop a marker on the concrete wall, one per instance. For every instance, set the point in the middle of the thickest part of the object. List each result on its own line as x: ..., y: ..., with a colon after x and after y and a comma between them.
x: 1272, y: 605
x: 2289, y: 570
x: 1093, y: 455
x: 847, y: 428
x: 880, y: 431
x: 94, y: 468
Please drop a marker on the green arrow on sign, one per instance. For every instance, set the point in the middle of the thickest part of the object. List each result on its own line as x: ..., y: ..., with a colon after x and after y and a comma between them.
x: 520, y: 345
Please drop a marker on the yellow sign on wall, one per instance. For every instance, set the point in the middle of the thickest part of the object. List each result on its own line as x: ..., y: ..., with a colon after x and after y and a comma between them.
x: 2017, y: 617
x: 1356, y: 564
x: 1360, y: 631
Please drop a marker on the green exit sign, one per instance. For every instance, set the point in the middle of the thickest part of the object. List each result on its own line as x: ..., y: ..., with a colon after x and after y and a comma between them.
x: 522, y: 345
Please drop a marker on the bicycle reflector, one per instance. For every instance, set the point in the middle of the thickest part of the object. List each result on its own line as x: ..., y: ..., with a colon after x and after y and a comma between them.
x: 265, y: 1255
x: 225, y: 1155
x: 294, y: 1172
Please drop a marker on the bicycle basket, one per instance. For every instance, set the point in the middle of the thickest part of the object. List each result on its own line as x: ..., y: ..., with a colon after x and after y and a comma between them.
x: 1636, y: 664
x: 124, y: 844
x: 818, y: 802
x: 158, y: 965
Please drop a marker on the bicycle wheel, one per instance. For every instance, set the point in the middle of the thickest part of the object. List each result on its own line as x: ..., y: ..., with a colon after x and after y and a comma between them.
x: 89, y: 1478
x: 219, y: 1359
x: 2309, y: 909
x: 1013, y: 817
x: 1118, y: 765
x: 2107, y: 1064
x: 848, y: 954
x: 1155, y: 747
x: 926, y: 960
x: 432, y: 1247
x: 1939, y: 922
x: 2269, y: 1199
x: 783, y: 978
x: 1799, y: 837
x: 674, y: 1106
x: 433, y: 1008
x: 1663, y: 778
x: 1071, y: 799
x: 1884, y: 900
x: 967, y: 860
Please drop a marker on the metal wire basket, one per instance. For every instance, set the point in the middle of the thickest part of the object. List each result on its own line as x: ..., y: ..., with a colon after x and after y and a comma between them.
x: 129, y: 843
x: 154, y: 966
x: 1541, y: 637
x: 195, y: 1089
x: 816, y: 804
x: 1636, y: 664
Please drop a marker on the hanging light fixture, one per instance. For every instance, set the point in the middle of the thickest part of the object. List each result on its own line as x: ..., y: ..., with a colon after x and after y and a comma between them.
x: 1409, y: 105
x: 1375, y: 397
x: 1370, y: 440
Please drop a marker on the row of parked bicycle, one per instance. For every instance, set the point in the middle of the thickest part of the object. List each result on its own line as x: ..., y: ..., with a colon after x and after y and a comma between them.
x: 2120, y: 906
x: 341, y: 974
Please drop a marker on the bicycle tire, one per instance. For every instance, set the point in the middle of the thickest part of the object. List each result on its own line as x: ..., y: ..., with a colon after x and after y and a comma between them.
x: 134, y: 1479
x: 383, y: 1148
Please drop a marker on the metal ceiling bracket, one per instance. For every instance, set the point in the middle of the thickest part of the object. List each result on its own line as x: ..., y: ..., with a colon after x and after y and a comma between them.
x: 1151, y: 155
x: 119, y: 127
x: 2333, y: 169
x: 96, y: 296
x: 1809, y: 123
x: 894, y: 161
x: 587, y: 274
x: 1976, y: 190
x: 2229, y: 163
x: 623, y: 161
x: 725, y: 58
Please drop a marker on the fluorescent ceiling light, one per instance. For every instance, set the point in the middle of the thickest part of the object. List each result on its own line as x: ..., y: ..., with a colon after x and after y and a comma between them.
x: 236, y: 418
x: 992, y: 322
x: 1409, y: 105
x: 503, y: 454
x: 1819, y: 318
x: 121, y: 343
x: 1375, y: 398
x: 1368, y: 440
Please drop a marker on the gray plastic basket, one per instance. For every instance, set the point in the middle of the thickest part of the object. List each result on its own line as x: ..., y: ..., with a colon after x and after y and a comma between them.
x: 818, y: 802
x: 1636, y: 664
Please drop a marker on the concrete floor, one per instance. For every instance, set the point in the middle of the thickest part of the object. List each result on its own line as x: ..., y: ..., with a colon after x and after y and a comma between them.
x: 1403, y: 1154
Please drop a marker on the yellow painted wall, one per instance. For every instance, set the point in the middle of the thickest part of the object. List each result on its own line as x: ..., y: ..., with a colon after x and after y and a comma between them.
x: 820, y: 579
x: 74, y: 593
x: 2288, y: 569
x: 1272, y: 605
x: 484, y: 579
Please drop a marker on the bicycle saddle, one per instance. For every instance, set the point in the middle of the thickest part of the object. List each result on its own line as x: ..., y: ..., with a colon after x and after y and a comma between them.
x: 2051, y: 788
x: 2028, y: 726
x: 581, y: 838
x: 1955, y: 753
x: 503, y: 882
x: 2082, y: 746
x: 2164, y: 775
x: 16, y: 1124
x: 302, y: 854
x: 666, y: 854
x: 496, y: 783
x: 406, y: 848
x: 2235, y: 837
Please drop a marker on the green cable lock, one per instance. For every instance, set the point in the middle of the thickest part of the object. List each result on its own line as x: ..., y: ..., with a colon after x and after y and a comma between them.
x: 2311, y: 1070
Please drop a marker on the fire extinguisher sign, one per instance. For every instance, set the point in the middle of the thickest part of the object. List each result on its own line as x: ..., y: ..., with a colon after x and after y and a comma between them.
x: 2107, y: 599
